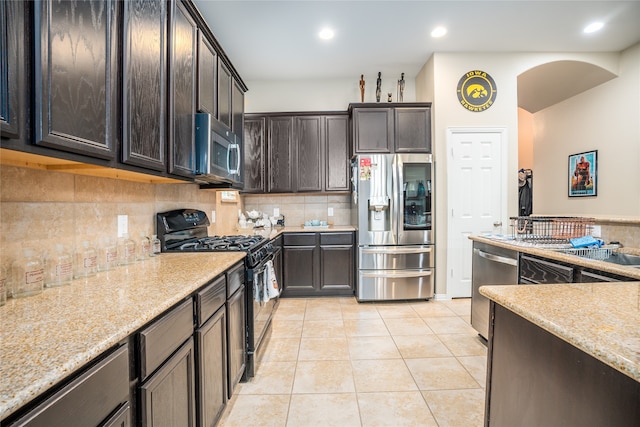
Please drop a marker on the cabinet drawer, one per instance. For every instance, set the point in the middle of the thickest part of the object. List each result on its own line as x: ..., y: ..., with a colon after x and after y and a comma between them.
x: 89, y: 399
x: 210, y: 299
x: 541, y: 271
x: 300, y: 239
x: 336, y: 238
x: 235, y: 279
x: 164, y: 336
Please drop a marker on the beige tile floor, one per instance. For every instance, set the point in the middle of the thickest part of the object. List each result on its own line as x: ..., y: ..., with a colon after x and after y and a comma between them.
x: 337, y: 362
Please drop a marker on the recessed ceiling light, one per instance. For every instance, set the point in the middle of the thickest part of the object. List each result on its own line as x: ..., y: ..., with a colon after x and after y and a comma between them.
x: 593, y: 27
x: 438, y: 32
x: 326, y: 34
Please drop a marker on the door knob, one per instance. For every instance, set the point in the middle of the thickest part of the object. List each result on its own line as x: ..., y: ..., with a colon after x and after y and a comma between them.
x: 497, y: 224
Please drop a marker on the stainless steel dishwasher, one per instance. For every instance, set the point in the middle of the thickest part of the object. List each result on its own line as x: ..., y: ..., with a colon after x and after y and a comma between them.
x: 491, y: 265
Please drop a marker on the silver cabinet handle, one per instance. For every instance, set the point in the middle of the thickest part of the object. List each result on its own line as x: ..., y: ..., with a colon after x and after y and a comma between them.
x: 497, y: 258
x: 396, y: 251
x: 396, y: 275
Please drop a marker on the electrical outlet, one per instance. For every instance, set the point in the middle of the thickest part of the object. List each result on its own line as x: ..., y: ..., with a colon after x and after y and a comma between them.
x: 276, y: 211
x: 596, y: 231
x: 123, y: 225
x: 213, y: 217
x: 330, y: 212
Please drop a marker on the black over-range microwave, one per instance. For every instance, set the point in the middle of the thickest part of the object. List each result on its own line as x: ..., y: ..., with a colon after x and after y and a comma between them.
x: 218, y: 156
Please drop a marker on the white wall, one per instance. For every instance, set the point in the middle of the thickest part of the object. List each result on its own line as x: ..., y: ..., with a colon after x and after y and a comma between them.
x: 320, y: 95
x: 605, y: 118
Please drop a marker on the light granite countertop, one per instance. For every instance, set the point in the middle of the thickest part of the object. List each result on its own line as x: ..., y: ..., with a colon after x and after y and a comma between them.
x: 601, y: 319
x: 46, y: 337
x: 631, y: 272
x: 272, y: 233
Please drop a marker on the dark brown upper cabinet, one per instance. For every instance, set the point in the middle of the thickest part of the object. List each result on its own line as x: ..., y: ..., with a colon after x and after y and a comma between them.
x: 76, y: 76
x: 373, y: 130
x: 413, y: 130
x: 254, y: 154
x: 309, y: 141
x: 183, y: 39
x: 336, y: 130
x: 14, y: 92
x: 144, y: 80
x: 314, y: 145
x: 237, y: 111
x: 394, y: 128
x: 207, y: 74
x: 280, y: 157
x: 225, y: 81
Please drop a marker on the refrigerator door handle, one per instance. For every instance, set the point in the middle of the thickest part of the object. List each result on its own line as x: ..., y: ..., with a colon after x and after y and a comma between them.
x: 395, y: 274
x: 393, y: 250
x: 396, y: 185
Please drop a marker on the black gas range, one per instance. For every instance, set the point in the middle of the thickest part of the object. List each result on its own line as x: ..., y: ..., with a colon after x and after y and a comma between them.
x: 185, y: 230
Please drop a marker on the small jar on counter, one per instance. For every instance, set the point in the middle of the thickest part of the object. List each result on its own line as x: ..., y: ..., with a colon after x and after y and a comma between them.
x: 155, y: 246
x: 86, y: 260
x: 28, y: 274
x: 144, y: 247
x: 108, y: 255
x: 126, y: 250
x: 4, y: 283
x: 59, y: 268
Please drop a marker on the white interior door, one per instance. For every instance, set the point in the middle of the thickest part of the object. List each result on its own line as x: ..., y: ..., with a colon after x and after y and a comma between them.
x: 476, y: 183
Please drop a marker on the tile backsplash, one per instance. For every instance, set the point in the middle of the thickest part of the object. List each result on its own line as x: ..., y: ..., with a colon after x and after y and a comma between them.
x: 300, y: 208
x: 40, y: 208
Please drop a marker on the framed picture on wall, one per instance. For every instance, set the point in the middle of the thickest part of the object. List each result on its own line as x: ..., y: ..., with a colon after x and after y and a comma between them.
x: 583, y: 174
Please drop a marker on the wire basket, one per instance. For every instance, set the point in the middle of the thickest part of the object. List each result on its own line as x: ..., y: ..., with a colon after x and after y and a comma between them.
x: 550, y: 229
x: 599, y: 254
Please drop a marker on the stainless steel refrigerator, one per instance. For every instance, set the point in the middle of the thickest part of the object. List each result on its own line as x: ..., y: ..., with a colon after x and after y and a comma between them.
x: 393, y: 212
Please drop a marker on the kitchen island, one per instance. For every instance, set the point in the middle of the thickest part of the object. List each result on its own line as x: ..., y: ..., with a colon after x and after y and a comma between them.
x: 46, y: 338
x: 564, y: 355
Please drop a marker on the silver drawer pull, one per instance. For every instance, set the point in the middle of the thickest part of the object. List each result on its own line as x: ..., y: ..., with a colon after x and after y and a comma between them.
x: 396, y: 251
x: 397, y: 275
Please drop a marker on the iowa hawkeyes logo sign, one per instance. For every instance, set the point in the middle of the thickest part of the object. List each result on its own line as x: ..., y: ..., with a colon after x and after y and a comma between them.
x: 476, y: 91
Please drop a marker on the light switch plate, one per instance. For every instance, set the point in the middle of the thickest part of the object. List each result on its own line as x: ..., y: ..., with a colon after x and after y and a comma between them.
x: 276, y: 211
x: 596, y: 231
x: 213, y: 217
x: 123, y: 225
x: 330, y: 212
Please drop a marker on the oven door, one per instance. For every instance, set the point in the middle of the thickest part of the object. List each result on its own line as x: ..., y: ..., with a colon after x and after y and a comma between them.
x: 262, y: 311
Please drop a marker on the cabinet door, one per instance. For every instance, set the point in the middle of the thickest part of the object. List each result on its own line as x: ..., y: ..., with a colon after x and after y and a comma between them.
x: 413, y: 130
x: 207, y: 75
x: 254, y: 149
x: 236, y: 339
x: 211, y: 342
x: 224, y: 94
x: 14, y: 120
x: 280, y: 154
x: 336, y: 273
x: 336, y: 153
x: 144, y: 84
x: 237, y: 108
x: 167, y: 398
x: 300, y: 270
x: 310, y: 147
x: 76, y: 66
x: 182, y: 81
x: 122, y: 418
x: 373, y: 130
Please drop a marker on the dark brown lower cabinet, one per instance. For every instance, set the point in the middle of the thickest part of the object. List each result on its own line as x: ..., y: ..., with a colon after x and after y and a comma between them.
x: 318, y: 264
x: 167, y: 398
x: 236, y: 338
x: 122, y: 417
x: 537, y: 379
x: 211, y: 341
x: 88, y: 400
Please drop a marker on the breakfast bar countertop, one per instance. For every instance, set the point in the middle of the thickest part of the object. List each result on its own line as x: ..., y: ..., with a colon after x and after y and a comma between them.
x: 601, y: 319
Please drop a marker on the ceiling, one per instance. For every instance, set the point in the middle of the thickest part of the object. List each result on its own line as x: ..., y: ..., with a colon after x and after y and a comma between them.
x: 277, y: 40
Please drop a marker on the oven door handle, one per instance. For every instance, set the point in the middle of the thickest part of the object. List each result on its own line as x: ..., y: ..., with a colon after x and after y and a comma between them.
x: 262, y: 266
